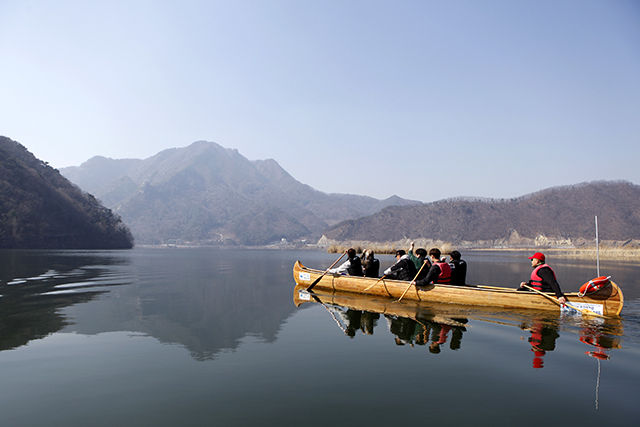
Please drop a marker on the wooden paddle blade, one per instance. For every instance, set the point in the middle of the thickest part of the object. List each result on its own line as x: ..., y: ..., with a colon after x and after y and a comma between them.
x: 584, y: 311
x: 315, y: 282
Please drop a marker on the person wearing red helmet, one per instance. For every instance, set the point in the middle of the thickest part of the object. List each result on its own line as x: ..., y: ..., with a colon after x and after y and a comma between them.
x: 543, y: 278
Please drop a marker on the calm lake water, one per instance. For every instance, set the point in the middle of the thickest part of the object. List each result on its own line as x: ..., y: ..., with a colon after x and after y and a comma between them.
x: 209, y: 337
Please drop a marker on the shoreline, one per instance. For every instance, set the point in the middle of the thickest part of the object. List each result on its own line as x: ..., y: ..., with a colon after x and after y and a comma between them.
x: 606, y: 252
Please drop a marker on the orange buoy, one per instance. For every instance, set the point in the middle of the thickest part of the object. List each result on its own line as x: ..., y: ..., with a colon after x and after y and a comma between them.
x: 598, y: 355
x: 594, y: 285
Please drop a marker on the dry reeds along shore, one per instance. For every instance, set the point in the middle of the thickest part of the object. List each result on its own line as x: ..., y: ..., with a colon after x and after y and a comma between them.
x: 609, y: 253
x: 605, y: 253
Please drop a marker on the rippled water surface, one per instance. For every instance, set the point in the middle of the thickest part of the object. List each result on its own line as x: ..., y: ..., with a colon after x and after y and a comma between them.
x: 201, y: 337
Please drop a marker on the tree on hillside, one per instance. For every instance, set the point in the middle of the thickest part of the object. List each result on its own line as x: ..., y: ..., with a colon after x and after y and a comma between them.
x: 39, y: 208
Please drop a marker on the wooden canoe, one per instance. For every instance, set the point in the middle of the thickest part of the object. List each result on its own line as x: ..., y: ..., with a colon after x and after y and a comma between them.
x: 607, y: 302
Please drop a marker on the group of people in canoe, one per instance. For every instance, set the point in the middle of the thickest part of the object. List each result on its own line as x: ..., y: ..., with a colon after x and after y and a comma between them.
x: 417, y: 266
x: 423, y: 268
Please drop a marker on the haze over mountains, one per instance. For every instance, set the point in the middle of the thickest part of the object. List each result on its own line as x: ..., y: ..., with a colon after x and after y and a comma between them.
x: 555, y: 216
x: 208, y: 194
x: 205, y: 193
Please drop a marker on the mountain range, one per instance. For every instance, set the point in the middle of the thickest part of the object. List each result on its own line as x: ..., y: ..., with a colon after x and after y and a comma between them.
x: 209, y: 194
x: 554, y: 216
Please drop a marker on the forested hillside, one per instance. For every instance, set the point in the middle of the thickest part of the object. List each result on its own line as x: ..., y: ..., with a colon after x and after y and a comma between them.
x: 40, y: 209
x: 560, y: 214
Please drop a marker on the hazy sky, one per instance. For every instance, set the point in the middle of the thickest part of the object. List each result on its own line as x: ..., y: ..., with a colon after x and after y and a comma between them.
x: 423, y: 99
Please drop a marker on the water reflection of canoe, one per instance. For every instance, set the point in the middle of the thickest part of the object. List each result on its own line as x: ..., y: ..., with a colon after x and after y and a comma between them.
x: 438, y: 326
x: 443, y: 313
x: 607, y: 301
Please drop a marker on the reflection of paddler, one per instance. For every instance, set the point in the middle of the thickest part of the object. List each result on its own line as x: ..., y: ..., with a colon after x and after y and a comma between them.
x: 368, y: 322
x: 403, y: 328
x: 456, y: 337
x: 440, y: 331
x: 408, y: 330
x: 354, y: 318
x: 542, y: 339
x: 536, y: 341
x: 438, y: 337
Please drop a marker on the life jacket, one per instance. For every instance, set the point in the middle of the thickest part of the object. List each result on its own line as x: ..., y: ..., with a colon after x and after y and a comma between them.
x: 458, y: 272
x: 536, y: 281
x: 444, y: 278
x: 355, y: 269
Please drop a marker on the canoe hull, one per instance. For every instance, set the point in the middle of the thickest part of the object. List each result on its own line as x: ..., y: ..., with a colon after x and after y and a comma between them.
x: 608, y: 301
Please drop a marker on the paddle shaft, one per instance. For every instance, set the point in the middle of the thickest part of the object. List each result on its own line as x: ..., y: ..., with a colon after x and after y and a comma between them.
x: 315, y: 282
x: 377, y: 281
x: 330, y: 312
x: 414, y: 279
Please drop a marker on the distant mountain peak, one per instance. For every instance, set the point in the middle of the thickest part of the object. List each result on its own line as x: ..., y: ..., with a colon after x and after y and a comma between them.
x: 203, y: 191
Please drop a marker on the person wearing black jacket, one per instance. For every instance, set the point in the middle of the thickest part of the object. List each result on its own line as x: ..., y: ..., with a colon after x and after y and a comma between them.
x: 403, y: 269
x: 352, y: 266
x: 370, y: 264
x: 458, y: 269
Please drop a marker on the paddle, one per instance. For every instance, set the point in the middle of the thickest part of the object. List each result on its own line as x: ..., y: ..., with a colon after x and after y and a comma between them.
x: 377, y: 281
x: 583, y: 311
x: 330, y: 312
x: 315, y: 282
x: 492, y: 287
x: 414, y: 279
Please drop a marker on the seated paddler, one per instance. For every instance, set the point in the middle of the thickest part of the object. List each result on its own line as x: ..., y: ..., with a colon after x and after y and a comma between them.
x: 370, y: 264
x: 439, y: 273
x: 419, y: 257
x: 543, y: 278
x: 458, y: 269
x: 352, y: 266
x: 403, y: 269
